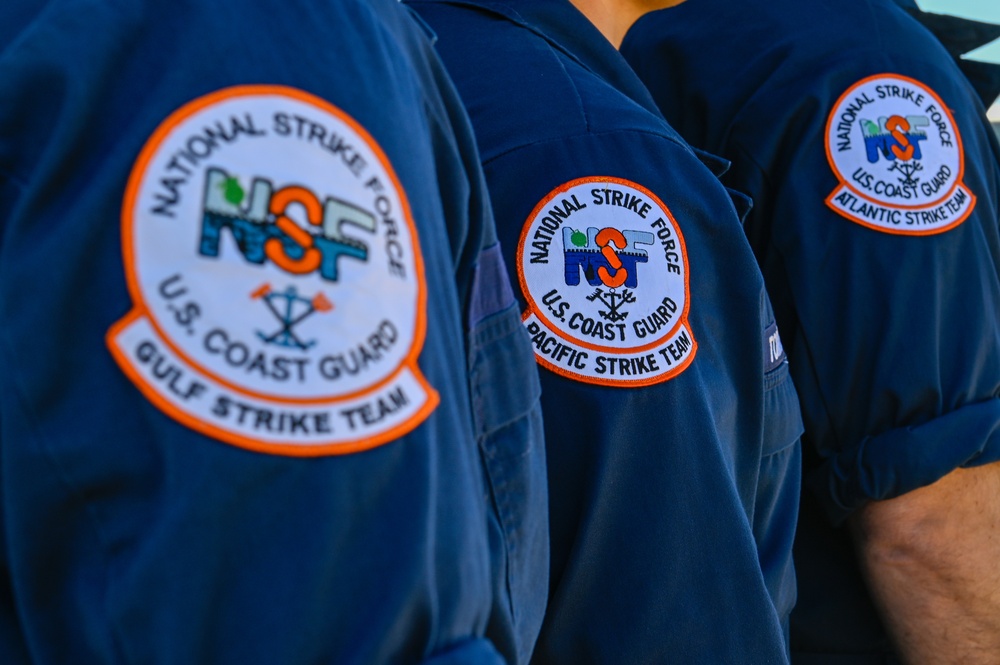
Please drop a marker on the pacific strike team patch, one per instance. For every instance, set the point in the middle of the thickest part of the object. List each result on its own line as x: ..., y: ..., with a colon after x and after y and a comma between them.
x: 276, y: 278
x: 603, y: 267
x: 894, y: 146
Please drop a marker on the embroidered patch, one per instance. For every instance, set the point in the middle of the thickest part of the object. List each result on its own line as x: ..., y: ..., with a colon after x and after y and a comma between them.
x: 894, y: 146
x: 277, y: 283
x: 603, y: 266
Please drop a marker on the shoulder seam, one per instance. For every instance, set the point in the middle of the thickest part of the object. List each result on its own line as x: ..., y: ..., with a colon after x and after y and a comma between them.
x: 576, y: 90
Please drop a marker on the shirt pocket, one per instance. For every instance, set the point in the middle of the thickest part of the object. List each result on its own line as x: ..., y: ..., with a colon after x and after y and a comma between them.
x: 506, y: 408
x: 782, y: 417
x: 779, y: 481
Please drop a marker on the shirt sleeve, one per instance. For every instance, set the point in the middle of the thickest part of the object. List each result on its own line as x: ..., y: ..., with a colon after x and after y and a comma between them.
x: 132, y: 533
x: 681, y: 445
x: 892, y: 337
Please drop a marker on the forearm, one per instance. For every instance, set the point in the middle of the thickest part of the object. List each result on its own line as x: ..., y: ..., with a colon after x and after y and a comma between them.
x: 932, y: 560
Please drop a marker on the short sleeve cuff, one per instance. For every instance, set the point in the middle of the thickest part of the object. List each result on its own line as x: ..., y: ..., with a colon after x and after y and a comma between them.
x: 903, y: 459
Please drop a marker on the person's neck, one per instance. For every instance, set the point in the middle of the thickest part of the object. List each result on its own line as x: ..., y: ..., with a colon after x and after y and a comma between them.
x: 612, y: 17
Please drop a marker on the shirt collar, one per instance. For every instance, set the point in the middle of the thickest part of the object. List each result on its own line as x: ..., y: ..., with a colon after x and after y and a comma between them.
x: 563, y: 26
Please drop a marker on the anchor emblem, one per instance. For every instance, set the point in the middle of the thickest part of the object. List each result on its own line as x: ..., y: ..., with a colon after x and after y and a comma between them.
x: 290, y: 309
x: 613, y: 301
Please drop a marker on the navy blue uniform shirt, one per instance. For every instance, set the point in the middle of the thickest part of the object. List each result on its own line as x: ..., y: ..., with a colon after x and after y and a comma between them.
x: 264, y: 392
x: 876, y: 186
x: 671, y: 427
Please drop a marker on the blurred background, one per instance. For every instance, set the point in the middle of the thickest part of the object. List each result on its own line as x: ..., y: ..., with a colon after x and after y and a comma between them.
x: 987, y: 11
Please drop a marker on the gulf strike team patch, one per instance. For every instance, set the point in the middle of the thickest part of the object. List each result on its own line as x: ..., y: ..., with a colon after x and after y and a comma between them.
x: 603, y: 267
x: 277, y: 283
x: 894, y: 146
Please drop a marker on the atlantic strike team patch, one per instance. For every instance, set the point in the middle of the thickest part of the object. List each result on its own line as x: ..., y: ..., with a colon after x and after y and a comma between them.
x: 894, y: 146
x: 603, y: 267
x: 277, y: 283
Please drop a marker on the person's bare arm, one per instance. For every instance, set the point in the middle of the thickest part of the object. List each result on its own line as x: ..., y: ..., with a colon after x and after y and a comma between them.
x: 932, y: 560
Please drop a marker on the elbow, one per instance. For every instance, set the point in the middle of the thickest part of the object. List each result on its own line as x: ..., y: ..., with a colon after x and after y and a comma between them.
x: 912, y: 534
x: 933, y: 530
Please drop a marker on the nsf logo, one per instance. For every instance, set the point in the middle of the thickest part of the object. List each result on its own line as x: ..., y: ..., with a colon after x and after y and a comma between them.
x: 262, y: 223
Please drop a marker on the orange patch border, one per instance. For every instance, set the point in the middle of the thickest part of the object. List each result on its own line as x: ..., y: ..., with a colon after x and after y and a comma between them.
x: 959, y: 180
x: 140, y: 310
x: 532, y: 308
